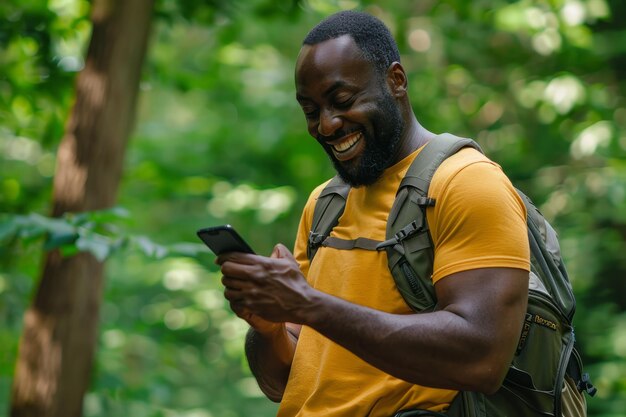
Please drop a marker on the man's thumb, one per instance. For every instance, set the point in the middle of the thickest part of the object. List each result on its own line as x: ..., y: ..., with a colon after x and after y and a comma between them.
x: 281, y: 251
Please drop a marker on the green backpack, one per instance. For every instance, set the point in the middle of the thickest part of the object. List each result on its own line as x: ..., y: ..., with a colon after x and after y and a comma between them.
x: 545, y: 377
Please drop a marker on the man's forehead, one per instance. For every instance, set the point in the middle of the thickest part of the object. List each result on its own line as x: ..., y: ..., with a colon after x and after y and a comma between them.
x: 333, y: 49
x: 330, y: 56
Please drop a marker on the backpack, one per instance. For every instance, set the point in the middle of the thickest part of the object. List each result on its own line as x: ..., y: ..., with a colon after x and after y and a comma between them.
x: 545, y: 377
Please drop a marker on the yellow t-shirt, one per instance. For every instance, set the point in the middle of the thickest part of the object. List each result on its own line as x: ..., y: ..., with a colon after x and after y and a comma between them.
x: 328, y: 380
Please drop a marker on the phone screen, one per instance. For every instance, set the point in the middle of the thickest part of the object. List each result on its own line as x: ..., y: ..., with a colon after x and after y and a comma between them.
x: 222, y: 239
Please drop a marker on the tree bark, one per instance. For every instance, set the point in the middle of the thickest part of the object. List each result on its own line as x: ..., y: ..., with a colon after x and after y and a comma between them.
x: 60, y: 328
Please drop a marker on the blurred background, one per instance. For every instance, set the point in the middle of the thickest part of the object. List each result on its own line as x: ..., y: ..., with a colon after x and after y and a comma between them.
x: 218, y: 137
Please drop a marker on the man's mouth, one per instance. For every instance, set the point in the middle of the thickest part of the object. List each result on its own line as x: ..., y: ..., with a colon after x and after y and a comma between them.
x: 347, y: 147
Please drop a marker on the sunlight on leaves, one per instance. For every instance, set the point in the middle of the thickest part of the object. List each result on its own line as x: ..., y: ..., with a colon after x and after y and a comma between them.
x: 268, y: 204
x: 182, y: 276
x: 564, y: 92
x: 573, y: 12
x: 598, y: 135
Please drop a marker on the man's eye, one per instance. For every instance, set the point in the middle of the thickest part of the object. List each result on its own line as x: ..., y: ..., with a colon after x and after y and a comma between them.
x: 343, y: 100
x: 310, y: 113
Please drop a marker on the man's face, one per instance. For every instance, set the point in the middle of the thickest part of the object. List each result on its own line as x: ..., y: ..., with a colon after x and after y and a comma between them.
x: 349, y: 109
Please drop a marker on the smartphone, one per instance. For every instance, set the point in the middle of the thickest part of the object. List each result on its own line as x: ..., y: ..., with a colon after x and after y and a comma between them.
x: 222, y: 239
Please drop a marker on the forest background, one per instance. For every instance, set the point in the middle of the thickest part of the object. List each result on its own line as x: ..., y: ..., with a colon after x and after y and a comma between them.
x: 219, y: 138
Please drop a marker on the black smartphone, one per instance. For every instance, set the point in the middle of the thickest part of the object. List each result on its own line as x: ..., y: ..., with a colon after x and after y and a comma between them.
x: 222, y: 239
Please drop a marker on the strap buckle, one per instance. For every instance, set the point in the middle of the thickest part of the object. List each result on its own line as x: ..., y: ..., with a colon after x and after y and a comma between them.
x: 315, y: 239
x: 425, y: 201
x: 408, y: 230
x: 585, y: 385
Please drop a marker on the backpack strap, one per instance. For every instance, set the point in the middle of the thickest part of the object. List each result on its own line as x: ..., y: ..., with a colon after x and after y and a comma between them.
x: 418, y: 177
x: 411, y: 260
x: 428, y: 160
x: 329, y: 207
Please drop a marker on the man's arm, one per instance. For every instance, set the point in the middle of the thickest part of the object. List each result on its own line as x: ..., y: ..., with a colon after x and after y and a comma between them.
x: 467, y: 344
x: 269, y: 357
x: 270, y: 346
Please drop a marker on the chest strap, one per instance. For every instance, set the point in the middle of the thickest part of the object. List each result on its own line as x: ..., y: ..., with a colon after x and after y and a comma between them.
x: 371, y: 244
x: 348, y: 244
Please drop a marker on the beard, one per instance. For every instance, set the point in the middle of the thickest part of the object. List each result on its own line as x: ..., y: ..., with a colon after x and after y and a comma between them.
x: 381, y: 146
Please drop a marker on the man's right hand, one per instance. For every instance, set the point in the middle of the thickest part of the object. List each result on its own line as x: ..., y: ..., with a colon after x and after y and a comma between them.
x: 264, y: 327
x: 272, y: 287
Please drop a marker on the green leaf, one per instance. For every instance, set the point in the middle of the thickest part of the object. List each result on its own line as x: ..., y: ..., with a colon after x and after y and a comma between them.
x: 108, y: 215
x: 150, y: 248
x: 56, y: 240
x: 8, y: 228
x: 36, y: 222
x: 187, y: 249
x: 98, y: 245
x: 69, y: 250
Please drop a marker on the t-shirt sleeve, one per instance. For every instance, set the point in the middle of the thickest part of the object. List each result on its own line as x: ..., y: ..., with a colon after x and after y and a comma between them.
x: 479, y: 220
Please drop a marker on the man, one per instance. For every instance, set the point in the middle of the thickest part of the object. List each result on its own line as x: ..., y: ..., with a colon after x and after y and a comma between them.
x: 333, y: 337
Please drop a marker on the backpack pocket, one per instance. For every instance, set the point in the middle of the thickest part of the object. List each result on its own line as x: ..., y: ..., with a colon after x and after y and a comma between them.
x: 534, y: 382
x: 546, y: 339
x: 411, y: 263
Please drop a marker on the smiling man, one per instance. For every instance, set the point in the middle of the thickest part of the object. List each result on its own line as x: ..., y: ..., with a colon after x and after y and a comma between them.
x: 333, y: 336
x: 360, y: 150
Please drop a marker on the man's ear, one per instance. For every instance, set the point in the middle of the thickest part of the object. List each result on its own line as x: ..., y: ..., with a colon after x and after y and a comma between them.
x: 396, y: 79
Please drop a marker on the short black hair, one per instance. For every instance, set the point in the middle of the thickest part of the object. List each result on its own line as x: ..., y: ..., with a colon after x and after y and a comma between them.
x: 369, y: 33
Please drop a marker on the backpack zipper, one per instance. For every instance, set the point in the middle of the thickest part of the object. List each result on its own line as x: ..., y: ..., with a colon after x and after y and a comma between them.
x: 418, y: 289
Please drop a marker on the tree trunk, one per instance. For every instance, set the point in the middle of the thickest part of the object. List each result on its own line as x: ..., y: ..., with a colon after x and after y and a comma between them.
x: 61, y: 327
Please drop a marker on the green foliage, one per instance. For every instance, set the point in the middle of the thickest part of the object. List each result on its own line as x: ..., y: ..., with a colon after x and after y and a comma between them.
x: 220, y: 139
x: 94, y: 232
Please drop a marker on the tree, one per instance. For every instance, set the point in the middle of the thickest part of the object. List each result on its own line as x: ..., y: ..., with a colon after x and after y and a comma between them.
x: 60, y: 329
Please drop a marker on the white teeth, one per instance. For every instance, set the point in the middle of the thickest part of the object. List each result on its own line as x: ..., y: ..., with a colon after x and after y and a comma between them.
x: 347, y: 144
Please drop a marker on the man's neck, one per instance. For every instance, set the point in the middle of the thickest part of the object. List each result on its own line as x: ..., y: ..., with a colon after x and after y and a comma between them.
x: 415, y: 137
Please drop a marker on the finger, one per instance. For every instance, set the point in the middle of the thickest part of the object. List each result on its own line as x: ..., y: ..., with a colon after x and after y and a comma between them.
x: 235, y: 298
x: 231, y: 283
x: 225, y: 257
x: 239, y: 271
x: 282, y: 252
x: 240, y: 310
x: 237, y: 257
x: 235, y: 283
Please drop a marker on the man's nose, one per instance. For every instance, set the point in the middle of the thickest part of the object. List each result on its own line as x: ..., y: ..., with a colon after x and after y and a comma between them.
x: 329, y: 123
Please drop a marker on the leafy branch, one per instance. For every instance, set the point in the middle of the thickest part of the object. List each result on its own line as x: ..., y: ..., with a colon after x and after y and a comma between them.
x: 96, y: 232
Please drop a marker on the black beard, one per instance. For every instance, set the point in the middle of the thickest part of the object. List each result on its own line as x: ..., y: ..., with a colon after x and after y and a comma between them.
x: 380, y: 148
